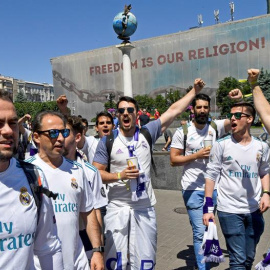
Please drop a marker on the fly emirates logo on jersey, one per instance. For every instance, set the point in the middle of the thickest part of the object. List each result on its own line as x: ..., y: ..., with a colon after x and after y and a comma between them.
x: 62, y: 205
x: 244, y: 173
x: 8, y: 241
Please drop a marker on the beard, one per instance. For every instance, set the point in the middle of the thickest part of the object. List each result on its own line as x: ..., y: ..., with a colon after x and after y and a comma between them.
x: 7, y: 155
x: 201, y: 118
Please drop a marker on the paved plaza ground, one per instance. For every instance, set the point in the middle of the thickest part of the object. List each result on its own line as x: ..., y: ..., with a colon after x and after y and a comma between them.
x: 175, y: 248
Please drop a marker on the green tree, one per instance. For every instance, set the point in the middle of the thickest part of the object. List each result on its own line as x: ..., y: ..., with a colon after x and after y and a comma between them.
x: 264, y: 82
x: 21, y: 97
x: 144, y: 101
x: 225, y: 86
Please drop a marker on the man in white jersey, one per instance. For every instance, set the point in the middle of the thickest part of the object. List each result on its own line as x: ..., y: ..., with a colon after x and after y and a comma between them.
x: 192, y: 154
x: 130, y: 222
x: 76, y: 127
x: 75, y: 197
x: 240, y: 164
x: 22, y: 232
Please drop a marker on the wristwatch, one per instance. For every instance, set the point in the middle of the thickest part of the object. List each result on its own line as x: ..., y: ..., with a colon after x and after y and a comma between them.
x: 267, y: 192
x: 98, y: 249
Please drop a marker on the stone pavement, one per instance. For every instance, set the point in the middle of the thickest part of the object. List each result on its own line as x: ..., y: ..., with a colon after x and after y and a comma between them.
x: 175, y: 248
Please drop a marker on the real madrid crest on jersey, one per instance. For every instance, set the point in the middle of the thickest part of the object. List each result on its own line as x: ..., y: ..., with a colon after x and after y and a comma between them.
x: 74, y: 183
x: 25, y: 198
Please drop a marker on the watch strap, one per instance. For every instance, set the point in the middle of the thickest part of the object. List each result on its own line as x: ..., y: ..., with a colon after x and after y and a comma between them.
x: 98, y: 249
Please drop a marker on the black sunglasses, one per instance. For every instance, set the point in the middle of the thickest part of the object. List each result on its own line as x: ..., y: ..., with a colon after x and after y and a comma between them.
x: 54, y: 133
x: 237, y: 115
x: 129, y: 110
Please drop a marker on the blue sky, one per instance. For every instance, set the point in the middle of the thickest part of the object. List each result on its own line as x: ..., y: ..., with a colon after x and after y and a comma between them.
x: 34, y: 31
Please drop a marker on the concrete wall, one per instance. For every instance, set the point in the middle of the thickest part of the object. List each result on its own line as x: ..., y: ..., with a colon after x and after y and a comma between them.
x: 168, y: 177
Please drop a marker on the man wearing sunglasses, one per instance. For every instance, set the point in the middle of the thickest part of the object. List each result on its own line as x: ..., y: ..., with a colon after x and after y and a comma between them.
x: 240, y: 164
x: 75, y: 197
x: 130, y: 222
x: 24, y: 232
x: 188, y: 150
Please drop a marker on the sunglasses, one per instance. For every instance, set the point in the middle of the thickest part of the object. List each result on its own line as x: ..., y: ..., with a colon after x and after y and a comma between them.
x: 237, y: 115
x: 54, y: 133
x: 129, y: 110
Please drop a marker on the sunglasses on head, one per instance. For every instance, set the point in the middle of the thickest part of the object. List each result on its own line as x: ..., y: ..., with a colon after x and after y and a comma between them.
x: 54, y: 133
x: 129, y: 110
x: 237, y: 115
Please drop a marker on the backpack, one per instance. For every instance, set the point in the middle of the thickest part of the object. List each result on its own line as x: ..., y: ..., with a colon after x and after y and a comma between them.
x: 109, y: 143
x: 185, y: 131
x: 34, y: 181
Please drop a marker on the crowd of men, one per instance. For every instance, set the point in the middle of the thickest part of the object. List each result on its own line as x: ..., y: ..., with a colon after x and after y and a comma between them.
x: 77, y: 204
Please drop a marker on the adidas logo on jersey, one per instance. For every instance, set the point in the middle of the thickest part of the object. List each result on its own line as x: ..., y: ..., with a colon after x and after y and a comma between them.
x: 229, y: 158
x: 119, y: 151
x: 191, y: 139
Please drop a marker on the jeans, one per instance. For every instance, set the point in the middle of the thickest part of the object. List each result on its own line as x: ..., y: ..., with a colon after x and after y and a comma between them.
x: 194, y: 200
x: 242, y: 233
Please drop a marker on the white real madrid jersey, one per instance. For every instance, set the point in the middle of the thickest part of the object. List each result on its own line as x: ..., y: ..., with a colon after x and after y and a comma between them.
x: 237, y: 169
x: 192, y: 176
x: 74, y: 196
x: 20, y: 235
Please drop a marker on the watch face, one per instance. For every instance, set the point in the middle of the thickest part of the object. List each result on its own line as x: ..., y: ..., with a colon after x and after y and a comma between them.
x: 98, y: 249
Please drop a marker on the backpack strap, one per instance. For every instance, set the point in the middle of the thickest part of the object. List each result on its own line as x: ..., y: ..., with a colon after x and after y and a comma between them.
x: 185, y: 131
x: 214, y: 126
x: 147, y: 135
x: 34, y: 181
x: 109, y: 144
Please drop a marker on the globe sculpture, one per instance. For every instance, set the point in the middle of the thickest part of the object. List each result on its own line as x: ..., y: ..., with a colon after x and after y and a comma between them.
x: 125, y: 24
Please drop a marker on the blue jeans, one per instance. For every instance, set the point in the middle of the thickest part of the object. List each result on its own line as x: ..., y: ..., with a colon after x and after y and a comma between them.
x: 194, y: 200
x: 242, y: 233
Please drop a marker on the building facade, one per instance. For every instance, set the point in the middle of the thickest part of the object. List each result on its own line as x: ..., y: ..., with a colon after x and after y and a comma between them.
x: 34, y: 92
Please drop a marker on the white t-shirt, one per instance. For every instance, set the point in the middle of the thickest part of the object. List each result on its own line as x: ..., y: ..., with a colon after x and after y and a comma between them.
x: 89, y: 148
x: 118, y: 194
x: 192, y: 176
x: 238, y: 169
x: 31, y: 145
x: 74, y: 196
x: 20, y: 236
x: 94, y: 178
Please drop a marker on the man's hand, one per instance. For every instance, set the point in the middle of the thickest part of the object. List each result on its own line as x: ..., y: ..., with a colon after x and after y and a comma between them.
x: 129, y: 173
x: 26, y: 117
x: 198, y: 85
x: 97, y: 261
x: 206, y: 218
x: 203, y: 153
x: 235, y: 94
x: 264, y: 204
x: 253, y: 75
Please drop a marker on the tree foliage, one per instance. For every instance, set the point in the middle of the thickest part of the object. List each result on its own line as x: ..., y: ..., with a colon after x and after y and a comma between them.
x: 264, y: 82
x: 21, y: 97
x: 33, y: 108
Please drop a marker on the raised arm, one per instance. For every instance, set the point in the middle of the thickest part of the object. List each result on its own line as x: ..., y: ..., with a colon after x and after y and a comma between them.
x: 179, y: 106
x: 261, y: 104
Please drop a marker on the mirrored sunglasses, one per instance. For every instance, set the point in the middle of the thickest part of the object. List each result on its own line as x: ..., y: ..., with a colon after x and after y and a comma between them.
x: 54, y: 133
x: 129, y: 110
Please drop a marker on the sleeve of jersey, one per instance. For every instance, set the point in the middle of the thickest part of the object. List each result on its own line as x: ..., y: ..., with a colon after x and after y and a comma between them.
x: 154, y: 128
x: 220, y: 127
x: 101, y: 155
x: 87, y: 198
x: 178, y: 139
x: 94, y: 178
x: 214, y: 165
x: 264, y: 166
x: 47, y: 244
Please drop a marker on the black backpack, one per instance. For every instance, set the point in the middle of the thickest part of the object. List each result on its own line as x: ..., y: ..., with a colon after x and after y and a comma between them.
x: 34, y: 181
x: 109, y: 143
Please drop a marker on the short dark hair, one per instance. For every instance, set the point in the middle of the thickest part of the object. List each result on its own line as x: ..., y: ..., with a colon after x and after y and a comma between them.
x: 128, y: 99
x: 84, y: 120
x: 200, y: 97
x: 76, y: 123
x: 106, y: 114
x: 4, y: 95
x: 249, y: 107
x: 36, y: 125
